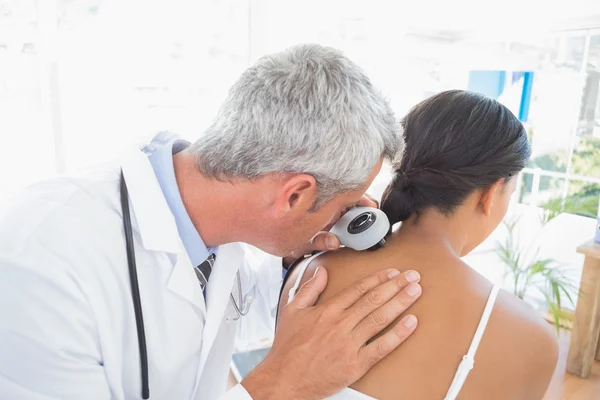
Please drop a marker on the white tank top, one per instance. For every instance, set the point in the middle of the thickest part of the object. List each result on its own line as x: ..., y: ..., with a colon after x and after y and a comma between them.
x: 464, y: 367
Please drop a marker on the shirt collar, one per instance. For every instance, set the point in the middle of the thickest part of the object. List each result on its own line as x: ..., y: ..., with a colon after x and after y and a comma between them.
x: 160, y: 154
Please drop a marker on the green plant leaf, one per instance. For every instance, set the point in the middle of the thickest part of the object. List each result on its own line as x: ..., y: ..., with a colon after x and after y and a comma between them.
x: 554, y: 310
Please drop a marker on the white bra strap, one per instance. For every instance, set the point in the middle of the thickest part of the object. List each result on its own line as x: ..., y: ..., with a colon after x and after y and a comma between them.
x: 483, y: 323
x: 301, y: 272
x: 468, y: 360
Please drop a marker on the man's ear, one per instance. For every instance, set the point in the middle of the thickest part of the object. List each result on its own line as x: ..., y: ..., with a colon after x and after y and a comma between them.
x: 489, y: 196
x: 297, y: 192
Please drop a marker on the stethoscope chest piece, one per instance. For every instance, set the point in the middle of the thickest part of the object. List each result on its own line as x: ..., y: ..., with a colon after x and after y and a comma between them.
x: 241, y: 304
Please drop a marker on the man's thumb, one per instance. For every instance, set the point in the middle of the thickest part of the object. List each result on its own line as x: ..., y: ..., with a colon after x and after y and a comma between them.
x: 309, y: 292
x: 324, y: 241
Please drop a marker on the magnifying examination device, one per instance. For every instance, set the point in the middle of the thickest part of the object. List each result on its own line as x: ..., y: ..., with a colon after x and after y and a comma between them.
x: 362, y: 228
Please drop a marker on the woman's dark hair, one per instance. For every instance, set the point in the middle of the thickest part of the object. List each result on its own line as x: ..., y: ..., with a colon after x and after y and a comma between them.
x: 456, y: 142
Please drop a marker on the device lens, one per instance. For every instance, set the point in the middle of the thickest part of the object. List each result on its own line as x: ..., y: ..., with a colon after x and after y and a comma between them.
x: 361, y: 223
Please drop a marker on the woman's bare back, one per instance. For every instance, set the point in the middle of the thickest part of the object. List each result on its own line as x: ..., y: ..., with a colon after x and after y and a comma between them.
x: 518, y: 351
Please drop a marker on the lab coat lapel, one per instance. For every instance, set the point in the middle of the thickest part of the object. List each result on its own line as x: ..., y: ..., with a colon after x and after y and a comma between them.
x: 157, y: 226
x: 229, y: 258
x: 184, y: 282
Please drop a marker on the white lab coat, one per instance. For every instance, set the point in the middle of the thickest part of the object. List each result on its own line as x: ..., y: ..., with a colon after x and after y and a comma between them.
x: 67, y: 325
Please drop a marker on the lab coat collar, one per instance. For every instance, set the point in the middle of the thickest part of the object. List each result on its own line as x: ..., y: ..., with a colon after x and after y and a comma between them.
x: 155, y: 221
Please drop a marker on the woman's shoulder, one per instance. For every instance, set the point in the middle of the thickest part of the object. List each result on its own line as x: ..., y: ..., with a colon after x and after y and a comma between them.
x: 344, y: 267
x: 302, y: 270
x: 517, y: 355
x: 529, y: 334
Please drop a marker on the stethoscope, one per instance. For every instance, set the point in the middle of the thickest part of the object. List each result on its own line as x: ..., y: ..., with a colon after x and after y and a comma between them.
x: 245, y: 308
x: 240, y: 306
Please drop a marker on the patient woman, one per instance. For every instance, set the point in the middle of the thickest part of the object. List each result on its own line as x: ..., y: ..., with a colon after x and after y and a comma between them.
x: 450, y: 191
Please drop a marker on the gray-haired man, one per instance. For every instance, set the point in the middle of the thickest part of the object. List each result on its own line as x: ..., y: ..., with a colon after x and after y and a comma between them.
x: 299, y: 139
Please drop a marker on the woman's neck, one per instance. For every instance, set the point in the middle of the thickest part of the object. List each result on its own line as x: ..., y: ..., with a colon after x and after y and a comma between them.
x: 437, y: 231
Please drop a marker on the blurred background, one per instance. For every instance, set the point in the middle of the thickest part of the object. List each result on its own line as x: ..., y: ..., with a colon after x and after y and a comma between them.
x: 82, y: 79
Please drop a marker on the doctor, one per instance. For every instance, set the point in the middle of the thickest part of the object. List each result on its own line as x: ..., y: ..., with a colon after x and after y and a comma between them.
x: 299, y: 139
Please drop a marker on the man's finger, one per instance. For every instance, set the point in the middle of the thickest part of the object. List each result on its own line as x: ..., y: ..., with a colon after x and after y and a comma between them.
x: 372, y: 353
x: 309, y: 292
x: 322, y: 241
x: 380, y: 295
x: 379, y: 319
x: 347, y: 297
x: 368, y: 201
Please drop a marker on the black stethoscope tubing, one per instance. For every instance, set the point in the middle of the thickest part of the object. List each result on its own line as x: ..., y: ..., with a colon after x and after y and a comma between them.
x: 135, y: 288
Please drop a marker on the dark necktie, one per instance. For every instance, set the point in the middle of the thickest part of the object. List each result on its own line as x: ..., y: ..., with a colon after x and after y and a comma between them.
x: 203, y: 270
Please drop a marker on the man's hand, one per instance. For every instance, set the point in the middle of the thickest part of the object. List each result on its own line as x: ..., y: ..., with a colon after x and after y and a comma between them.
x: 325, y: 240
x: 319, y: 350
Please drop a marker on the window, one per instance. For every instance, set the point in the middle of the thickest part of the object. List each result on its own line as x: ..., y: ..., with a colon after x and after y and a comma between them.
x: 563, y: 125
